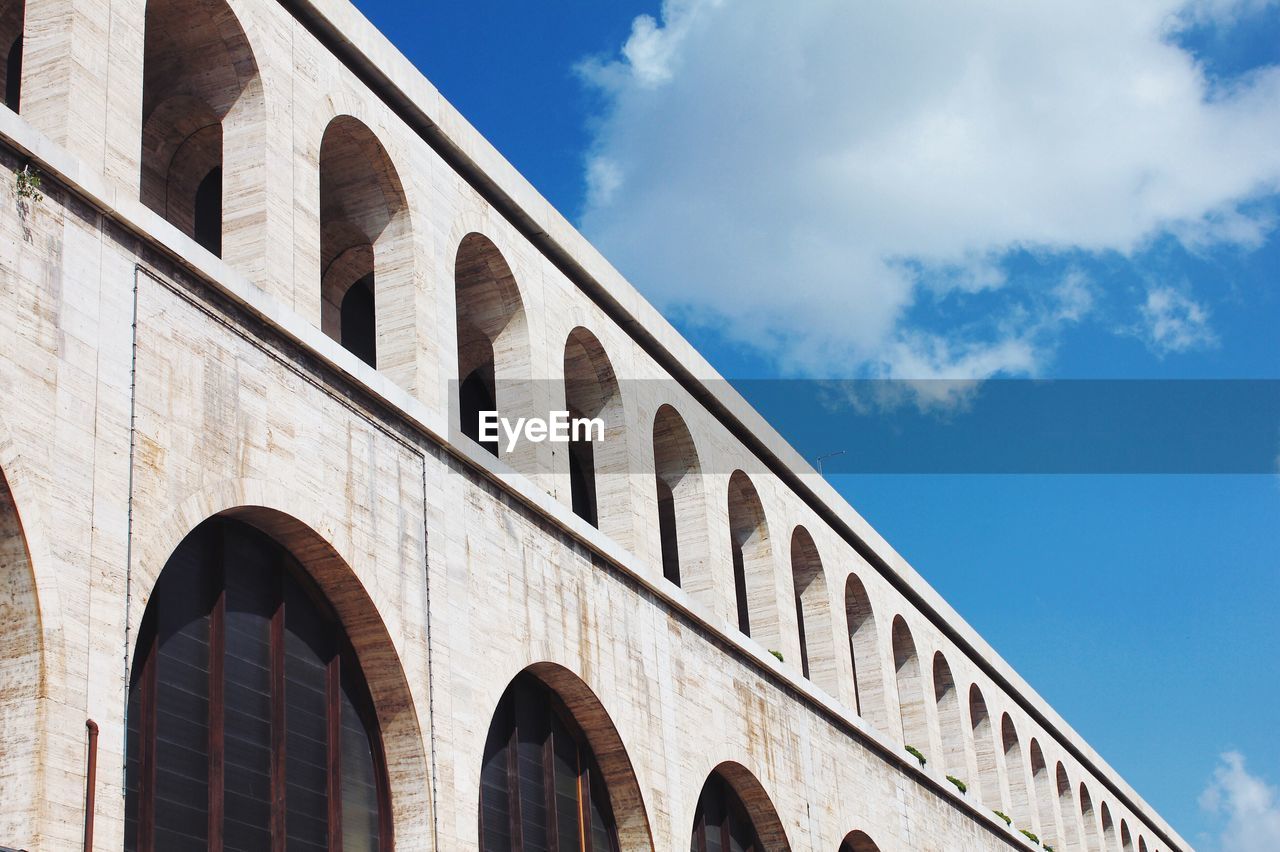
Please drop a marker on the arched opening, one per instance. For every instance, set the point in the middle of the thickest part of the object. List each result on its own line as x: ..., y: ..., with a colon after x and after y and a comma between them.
x: 20, y: 677
x: 1108, y: 830
x: 1126, y: 839
x: 947, y: 701
x: 753, y: 582
x: 682, y: 523
x: 249, y: 716
x: 1142, y: 843
x: 984, y: 746
x: 1092, y: 840
x: 365, y: 243
x: 1044, y: 793
x: 11, y: 25
x: 906, y: 666
x: 734, y: 813
x: 864, y: 651
x: 597, y: 468
x: 541, y: 787
x: 1014, y: 771
x: 492, y: 337
x: 857, y: 841
x: 1070, y: 816
x: 201, y: 123
x: 813, y: 611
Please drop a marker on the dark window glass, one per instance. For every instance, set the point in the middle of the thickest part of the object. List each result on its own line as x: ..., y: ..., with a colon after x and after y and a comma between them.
x: 721, y: 823
x: 13, y: 75
x: 248, y: 718
x: 667, y: 532
x: 540, y: 788
x: 207, y: 222
x: 740, y: 589
x: 582, y: 480
x: 804, y: 645
x: 475, y: 395
x: 359, y: 322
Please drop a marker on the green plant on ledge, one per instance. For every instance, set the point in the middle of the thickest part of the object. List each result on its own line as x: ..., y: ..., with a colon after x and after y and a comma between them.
x: 960, y: 785
x: 1048, y: 848
x: 777, y: 654
x: 1030, y: 836
x: 27, y: 182
x: 915, y: 752
x: 1004, y: 816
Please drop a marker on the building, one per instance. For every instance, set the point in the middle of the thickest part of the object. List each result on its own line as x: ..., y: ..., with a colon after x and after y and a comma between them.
x: 261, y: 589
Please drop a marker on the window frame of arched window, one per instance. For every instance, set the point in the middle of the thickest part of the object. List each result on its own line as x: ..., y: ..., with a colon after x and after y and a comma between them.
x: 529, y: 706
x: 216, y: 615
x: 730, y: 816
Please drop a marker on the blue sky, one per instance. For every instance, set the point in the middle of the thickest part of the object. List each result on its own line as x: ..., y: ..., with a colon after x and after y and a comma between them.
x: 962, y: 191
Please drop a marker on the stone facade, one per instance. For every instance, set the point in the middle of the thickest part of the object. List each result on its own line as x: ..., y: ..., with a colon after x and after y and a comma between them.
x: 147, y: 384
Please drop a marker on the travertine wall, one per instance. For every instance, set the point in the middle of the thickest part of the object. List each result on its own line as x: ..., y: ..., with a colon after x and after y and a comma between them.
x: 146, y: 385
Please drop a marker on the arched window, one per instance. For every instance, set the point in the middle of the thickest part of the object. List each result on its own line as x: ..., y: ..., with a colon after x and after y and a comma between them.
x: 681, y: 511
x: 721, y: 821
x: 20, y: 638
x: 1126, y: 839
x: 864, y: 650
x: 858, y: 841
x: 1092, y: 840
x: 201, y: 98
x: 753, y: 581
x: 248, y: 714
x: 1044, y: 794
x: 597, y: 468
x: 984, y: 745
x: 1142, y: 843
x: 1108, y: 830
x: 1015, y: 771
x: 813, y: 611
x: 906, y: 665
x: 492, y: 338
x: 11, y: 24
x: 365, y: 249
x: 1070, y: 816
x: 947, y: 701
x: 540, y: 786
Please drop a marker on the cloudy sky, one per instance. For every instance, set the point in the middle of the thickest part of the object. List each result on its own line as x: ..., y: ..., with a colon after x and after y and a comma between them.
x: 964, y: 190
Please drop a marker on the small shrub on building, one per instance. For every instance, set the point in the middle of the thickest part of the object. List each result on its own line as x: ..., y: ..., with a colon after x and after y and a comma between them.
x: 1004, y: 816
x: 915, y: 752
x: 960, y: 785
x: 777, y: 654
x: 1030, y: 836
x: 27, y: 182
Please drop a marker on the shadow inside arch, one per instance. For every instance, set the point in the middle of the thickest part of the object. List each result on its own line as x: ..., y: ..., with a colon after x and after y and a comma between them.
x: 625, y: 798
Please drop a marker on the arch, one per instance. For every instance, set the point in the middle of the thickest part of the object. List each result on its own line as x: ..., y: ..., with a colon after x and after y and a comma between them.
x: 906, y: 667
x: 254, y: 502
x: 202, y: 127
x: 1092, y: 840
x: 1126, y: 839
x: 1019, y: 800
x: 984, y: 746
x: 598, y: 474
x: 864, y: 652
x: 1142, y: 843
x: 1070, y: 816
x: 12, y: 19
x: 682, y: 516
x: 493, y: 337
x: 366, y: 247
x: 243, y: 688
x: 734, y: 806
x: 753, y: 580
x: 813, y: 611
x: 858, y: 841
x: 1110, y: 844
x: 543, y: 702
x: 947, y: 700
x: 1044, y: 794
x: 23, y: 672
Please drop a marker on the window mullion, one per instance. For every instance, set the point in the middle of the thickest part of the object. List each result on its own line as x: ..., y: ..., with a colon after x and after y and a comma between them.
x: 277, y: 723
x: 217, y: 711
x: 333, y: 705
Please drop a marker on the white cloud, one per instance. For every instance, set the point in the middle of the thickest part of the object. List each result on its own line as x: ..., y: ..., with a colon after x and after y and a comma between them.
x: 1249, y: 805
x: 1173, y: 322
x: 804, y: 174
